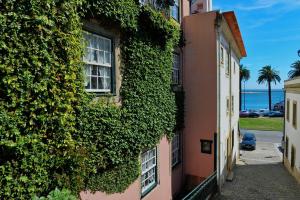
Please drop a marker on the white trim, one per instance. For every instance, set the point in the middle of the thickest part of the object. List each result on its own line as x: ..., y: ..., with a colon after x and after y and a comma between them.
x: 149, y: 169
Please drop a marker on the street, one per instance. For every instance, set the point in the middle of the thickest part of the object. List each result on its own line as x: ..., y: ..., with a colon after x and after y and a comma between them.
x: 260, y: 175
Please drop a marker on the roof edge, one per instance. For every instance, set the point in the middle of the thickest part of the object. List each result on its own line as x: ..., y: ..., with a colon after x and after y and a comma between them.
x: 232, y: 22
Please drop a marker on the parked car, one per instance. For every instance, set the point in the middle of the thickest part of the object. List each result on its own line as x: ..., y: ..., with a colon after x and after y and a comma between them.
x: 275, y: 114
x: 244, y: 113
x: 253, y: 114
x: 264, y: 112
x: 248, y: 141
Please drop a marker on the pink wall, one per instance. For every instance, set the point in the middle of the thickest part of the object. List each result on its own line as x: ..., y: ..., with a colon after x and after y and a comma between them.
x: 161, y: 191
x: 200, y: 84
x: 185, y: 8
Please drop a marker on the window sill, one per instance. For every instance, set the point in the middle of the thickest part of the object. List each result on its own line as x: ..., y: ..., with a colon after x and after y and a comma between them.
x: 101, y: 93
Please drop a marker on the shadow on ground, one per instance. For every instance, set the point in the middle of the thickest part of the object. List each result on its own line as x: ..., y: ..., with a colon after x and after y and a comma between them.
x: 259, y: 182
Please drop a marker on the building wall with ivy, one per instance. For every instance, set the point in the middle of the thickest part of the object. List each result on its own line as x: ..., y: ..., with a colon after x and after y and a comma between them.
x: 55, y: 134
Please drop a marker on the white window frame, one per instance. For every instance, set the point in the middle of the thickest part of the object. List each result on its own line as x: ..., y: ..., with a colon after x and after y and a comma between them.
x: 176, y: 69
x: 149, y: 170
x: 176, y: 149
x: 106, y: 66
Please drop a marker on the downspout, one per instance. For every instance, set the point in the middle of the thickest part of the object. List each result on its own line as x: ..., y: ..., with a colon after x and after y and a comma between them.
x: 217, y: 26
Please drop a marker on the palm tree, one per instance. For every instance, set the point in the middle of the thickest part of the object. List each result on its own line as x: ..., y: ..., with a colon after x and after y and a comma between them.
x: 295, y: 71
x: 269, y: 75
x: 244, y: 76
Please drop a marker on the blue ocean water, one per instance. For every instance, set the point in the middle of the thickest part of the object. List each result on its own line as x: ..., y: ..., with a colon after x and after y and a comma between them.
x: 258, y: 98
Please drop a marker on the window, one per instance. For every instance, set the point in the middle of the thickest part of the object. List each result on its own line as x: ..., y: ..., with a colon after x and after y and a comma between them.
x: 295, y: 114
x: 234, y: 66
x: 232, y: 104
x: 176, y: 69
x: 222, y: 55
x: 206, y: 146
x: 175, y: 10
x: 149, y: 171
x: 98, y: 60
x: 227, y: 64
x: 176, y: 149
x: 288, y: 110
x: 286, y: 147
x: 293, y: 155
x: 227, y: 105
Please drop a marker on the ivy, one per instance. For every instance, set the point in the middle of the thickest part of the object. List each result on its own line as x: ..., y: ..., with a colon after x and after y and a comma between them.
x: 53, y: 133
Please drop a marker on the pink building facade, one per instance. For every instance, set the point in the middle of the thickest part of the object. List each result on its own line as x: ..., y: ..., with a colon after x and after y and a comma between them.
x: 169, y: 174
x: 212, y: 53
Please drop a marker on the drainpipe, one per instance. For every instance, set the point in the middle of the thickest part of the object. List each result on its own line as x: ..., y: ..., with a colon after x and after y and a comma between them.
x: 217, y: 26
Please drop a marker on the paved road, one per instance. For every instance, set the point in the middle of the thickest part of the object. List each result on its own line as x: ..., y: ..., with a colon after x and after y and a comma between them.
x: 260, y: 175
x: 266, y: 136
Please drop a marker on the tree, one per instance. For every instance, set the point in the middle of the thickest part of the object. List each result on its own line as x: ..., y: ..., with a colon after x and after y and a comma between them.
x: 295, y: 71
x: 269, y: 75
x: 244, y: 76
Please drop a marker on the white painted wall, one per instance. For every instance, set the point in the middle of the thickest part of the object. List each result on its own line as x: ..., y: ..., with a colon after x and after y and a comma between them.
x: 228, y: 120
x: 292, y: 133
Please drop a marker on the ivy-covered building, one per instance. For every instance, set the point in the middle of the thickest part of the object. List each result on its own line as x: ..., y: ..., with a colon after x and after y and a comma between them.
x: 86, y: 100
x: 93, y: 97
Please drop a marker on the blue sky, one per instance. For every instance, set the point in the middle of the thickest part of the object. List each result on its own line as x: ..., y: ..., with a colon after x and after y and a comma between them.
x: 271, y: 33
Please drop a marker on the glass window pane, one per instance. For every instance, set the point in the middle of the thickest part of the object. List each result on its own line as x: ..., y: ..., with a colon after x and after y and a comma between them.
x: 107, y: 72
x: 101, y: 57
x: 101, y: 71
x: 107, y: 83
x: 107, y: 58
x: 101, y: 83
x: 106, y: 45
x: 94, y: 42
x: 95, y: 70
x: 94, y: 83
x: 101, y: 43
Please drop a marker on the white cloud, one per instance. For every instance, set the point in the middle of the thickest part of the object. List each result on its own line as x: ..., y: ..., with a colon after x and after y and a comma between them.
x: 266, y: 4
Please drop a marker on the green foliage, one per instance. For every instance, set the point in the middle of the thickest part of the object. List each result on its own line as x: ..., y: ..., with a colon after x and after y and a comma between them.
x: 54, y: 134
x: 57, y: 194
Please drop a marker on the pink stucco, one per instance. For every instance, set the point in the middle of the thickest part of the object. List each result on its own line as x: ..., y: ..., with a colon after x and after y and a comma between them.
x: 200, y: 85
x: 161, y: 191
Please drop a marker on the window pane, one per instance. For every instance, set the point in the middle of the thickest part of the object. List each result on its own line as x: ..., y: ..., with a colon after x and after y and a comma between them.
x: 101, y: 57
x: 94, y: 70
x: 94, y: 42
x: 106, y: 45
x: 175, y: 12
x: 94, y: 83
x: 101, y: 83
x: 108, y: 83
x: 107, y: 58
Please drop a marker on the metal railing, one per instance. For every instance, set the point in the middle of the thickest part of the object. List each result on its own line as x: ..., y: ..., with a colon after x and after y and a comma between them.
x: 208, y: 187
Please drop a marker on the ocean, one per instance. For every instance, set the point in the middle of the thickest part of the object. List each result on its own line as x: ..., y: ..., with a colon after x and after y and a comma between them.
x: 256, y: 99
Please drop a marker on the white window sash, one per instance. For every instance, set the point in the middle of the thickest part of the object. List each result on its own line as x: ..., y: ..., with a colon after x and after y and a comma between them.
x: 150, y: 170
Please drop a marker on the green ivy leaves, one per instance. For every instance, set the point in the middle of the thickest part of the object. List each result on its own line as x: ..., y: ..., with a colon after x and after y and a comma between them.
x: 52, y: 133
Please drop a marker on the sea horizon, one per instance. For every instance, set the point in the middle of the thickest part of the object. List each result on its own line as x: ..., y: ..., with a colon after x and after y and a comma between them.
x: 256, y: 99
